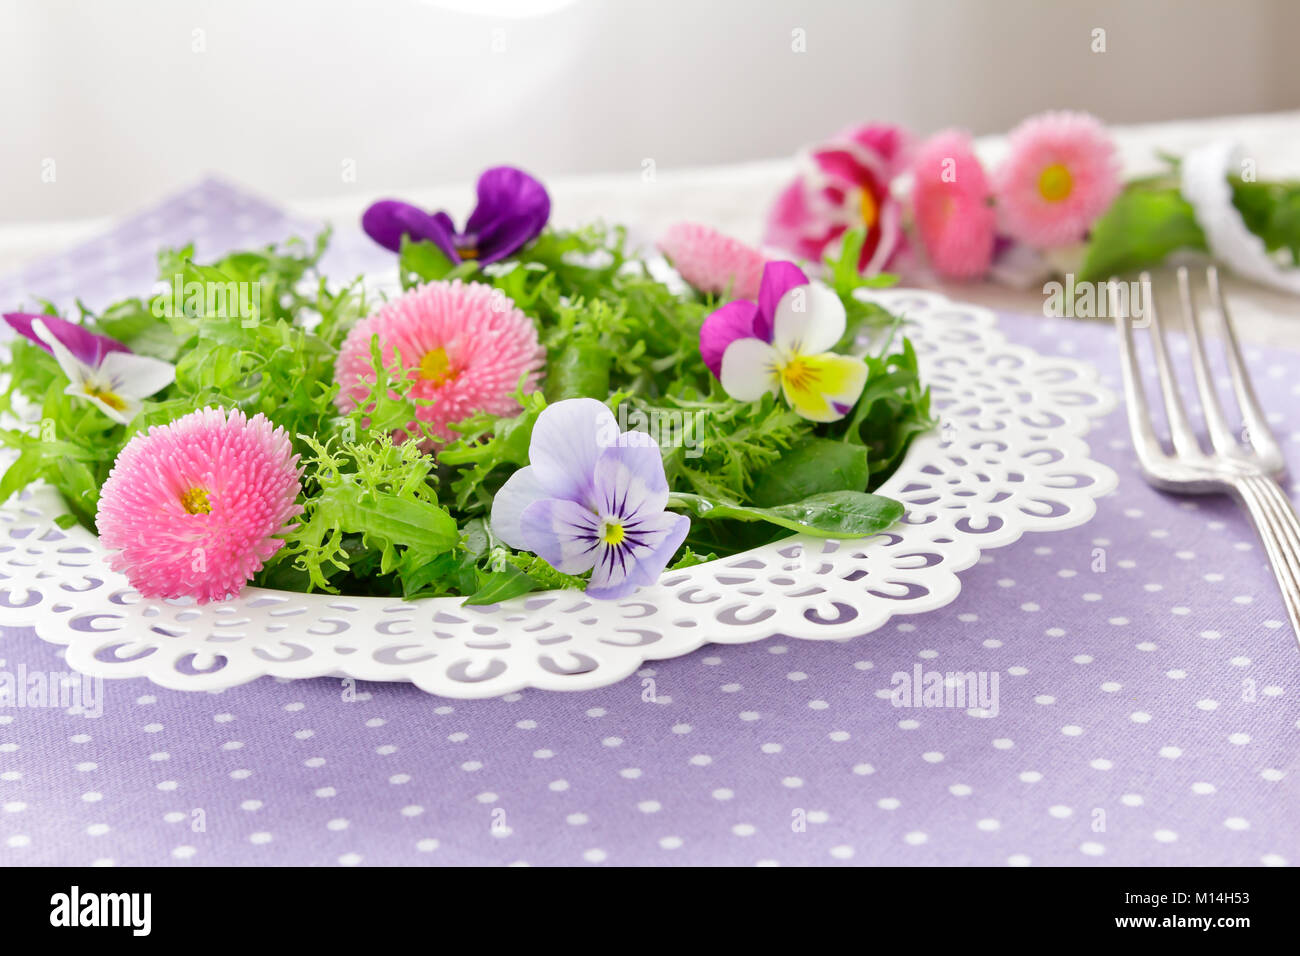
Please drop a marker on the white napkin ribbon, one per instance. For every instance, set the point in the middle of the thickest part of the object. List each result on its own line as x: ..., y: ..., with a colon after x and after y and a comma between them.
x: 1205, y: 185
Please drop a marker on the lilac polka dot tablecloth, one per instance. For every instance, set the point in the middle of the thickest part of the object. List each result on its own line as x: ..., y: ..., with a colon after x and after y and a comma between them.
x: 1146, y: 710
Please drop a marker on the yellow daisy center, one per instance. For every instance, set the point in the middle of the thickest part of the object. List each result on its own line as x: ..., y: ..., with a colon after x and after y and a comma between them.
x: 195, y: 501
x: 613, y: 533
x: 436, y: 366
x: 111, y: 399
x: 1055, y: 183
x: 869, y: 208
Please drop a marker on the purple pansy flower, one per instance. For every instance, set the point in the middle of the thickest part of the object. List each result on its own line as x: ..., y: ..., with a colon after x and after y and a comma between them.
x: 100, y: 370
x: 512, y: 209
x: 591, y: 499
x: 781, y: 345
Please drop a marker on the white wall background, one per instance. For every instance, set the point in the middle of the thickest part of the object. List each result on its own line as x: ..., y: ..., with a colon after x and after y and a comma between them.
x: 313, y: 98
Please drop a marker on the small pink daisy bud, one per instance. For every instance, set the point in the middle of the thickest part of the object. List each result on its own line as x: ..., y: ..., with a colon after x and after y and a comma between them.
x: 465, y: 348
x: 712, y: 262
x: 195, y: 507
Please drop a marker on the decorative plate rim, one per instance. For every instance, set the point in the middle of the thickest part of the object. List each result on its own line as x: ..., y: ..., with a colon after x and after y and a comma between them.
x: 539, y: 640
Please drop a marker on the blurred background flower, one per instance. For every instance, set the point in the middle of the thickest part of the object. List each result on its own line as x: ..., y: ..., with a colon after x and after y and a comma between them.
x: 268, y: 93
x: 953, y: 207
x: 843, y: 183
x: 1061, y: 173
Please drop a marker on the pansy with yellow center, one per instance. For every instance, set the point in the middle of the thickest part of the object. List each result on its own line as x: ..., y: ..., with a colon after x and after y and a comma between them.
x: 591, y: 498
x: 782, y: 343
x: 100, y: 370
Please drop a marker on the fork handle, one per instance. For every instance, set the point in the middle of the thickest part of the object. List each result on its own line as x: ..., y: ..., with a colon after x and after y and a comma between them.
x: 1278, y: 525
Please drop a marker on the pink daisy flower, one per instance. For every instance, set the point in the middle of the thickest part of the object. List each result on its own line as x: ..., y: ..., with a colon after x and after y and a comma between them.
x: 464, y: 347
x: 951, y: 203
x: 1060, y: 175
x: 713, y: 262
x: 844, y: 184
x: 195, y: 507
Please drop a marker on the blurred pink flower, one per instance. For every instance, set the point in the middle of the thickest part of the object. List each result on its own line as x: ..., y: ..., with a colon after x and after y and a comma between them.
x: 713, y: 262
x: 465, y: 347
x: 952, y: 206
x: 1060, y: 175
x: 195, y: 507
x: 843, y: 184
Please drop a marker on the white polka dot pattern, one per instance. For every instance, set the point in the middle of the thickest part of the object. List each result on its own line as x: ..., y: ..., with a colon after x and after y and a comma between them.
x: 776, y: 753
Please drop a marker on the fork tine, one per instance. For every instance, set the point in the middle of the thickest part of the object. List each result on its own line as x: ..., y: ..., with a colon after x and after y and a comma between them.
x: 1145, y: 442
x: 1258, y: 433
x: 1222, y: 437
x: 1180, y: 429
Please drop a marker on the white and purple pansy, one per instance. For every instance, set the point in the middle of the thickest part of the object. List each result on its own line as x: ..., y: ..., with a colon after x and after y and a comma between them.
x: 781, y: 344
x: 100, y: 370
x: 591, y: 499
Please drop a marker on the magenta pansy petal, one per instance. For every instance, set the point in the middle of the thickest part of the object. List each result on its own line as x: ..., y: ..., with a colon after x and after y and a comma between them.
x: 566, y: 442
x: 778, y: 279
x: 562, y: 533
x: 85, y: 346
x: 520, y: 490
x: 620, y: 570
x: 735, y: 320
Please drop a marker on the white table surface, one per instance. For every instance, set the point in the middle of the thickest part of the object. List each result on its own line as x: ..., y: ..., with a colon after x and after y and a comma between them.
x: 736, y: 198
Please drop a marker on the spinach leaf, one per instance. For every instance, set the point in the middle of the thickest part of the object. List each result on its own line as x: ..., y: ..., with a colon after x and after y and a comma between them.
x: 835, y: 514
x: 818, y: 465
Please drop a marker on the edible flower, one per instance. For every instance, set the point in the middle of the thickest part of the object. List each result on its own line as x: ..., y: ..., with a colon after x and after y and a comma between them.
x: 712, y: 262
x: 592, y: 498
x: 841, y: 185
x: 193, y: 508
x: 100, y: 370
x: 463, y: 346
x: 512, y: 210
x: 781, y: 344
x: 1060, y: 175
x: 953, y: 210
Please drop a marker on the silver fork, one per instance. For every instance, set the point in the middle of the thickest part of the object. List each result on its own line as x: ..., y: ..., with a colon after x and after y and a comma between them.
x: 1246, y: 469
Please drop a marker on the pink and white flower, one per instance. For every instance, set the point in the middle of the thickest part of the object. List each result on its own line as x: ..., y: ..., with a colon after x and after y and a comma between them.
x: 195, y: 507
x: 844, y: 184
x: 1061, y: 174
x: 100, y: 370
x: 712, y: 262
x: 781, y: 344
x: 464, y: 347
x: 952, y: 206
